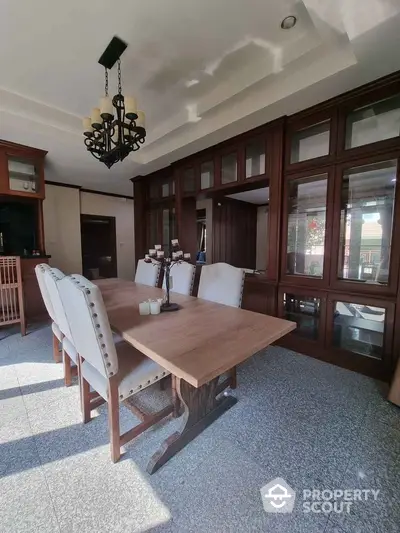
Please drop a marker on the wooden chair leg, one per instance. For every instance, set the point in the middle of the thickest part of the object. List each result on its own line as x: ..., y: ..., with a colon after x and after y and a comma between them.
x: 85, y: 399
x: 233, y: 378
x: 56, y: 349
x: 176, y: 402
x: 23, y: 326
x: 113, y: 420
x: 67, y: 369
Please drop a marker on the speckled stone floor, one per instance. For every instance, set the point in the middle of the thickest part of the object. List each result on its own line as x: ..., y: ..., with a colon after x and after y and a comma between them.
x: 315, y: 425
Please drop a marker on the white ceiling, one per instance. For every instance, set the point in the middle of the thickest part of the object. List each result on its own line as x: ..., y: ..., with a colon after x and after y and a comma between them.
x: 202, y: 71
x: 255, y: 196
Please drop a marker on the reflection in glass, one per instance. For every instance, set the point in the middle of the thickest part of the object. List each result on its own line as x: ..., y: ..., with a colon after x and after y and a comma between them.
x: 366, y: 222
x: 373, y: 123
x: 165, y: 189
x: 229, y: 168
x: 305, y: 311
x: 359, y: 328
x: 255, y: 159
x: 207, y: 175
x: 23, y: 176
x: 189, y: 181
x: 311, y: 142
x: 306, y: 226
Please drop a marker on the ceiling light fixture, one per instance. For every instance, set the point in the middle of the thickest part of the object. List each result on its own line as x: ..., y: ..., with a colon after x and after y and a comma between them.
x: 116, y: 128
x: 288, y: 22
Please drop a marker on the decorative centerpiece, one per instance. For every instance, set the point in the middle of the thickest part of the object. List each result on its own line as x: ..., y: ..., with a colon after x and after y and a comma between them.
x: 156, y: 256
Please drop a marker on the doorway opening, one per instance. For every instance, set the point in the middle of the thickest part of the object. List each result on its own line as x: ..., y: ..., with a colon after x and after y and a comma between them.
x: 99, y: 247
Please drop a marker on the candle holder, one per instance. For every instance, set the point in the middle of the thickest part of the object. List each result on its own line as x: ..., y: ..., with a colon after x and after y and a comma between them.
x: 156, y: 256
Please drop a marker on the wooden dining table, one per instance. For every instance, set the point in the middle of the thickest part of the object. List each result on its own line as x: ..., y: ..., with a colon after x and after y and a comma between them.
x: 197, y: 344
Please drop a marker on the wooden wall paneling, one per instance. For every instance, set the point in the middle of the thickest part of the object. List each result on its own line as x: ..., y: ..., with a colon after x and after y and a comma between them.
x: 259, y: 296
x: 274, y: 169
x: 140, y: 217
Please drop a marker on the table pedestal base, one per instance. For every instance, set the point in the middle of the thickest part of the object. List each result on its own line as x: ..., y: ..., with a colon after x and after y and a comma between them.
x: 201, y: 408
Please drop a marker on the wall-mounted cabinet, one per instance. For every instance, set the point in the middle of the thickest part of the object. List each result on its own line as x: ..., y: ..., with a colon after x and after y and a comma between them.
x: 21, y: 171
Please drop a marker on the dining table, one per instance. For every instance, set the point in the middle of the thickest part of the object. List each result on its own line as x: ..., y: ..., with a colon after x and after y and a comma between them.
x: 197, y: 344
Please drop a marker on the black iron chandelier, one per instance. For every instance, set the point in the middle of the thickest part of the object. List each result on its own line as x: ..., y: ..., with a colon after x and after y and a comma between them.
x: 116, y: 128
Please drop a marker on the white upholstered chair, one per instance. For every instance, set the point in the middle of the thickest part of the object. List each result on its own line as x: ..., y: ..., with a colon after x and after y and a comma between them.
x: 182, y: 278
x: 57, y: 335
x: 147, y: 273
x: 114, y: 371
x: 51, y: 277
x: 222, y: 283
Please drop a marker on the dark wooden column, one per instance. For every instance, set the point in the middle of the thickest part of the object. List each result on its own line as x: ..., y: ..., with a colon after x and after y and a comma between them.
x: 139, y: 202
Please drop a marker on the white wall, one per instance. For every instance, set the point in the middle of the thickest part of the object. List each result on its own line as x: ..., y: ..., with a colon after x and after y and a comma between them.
x: 122, y: 210
x: 62, y: 211
x: 262, y: 238
x: 62, y: 228
x: 208, y: 206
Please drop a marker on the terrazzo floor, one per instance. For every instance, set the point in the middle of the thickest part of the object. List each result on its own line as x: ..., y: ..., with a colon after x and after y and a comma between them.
x: 315, y: 425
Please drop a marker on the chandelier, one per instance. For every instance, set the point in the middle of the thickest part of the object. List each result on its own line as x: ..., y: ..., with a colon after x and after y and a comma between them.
x: 116, y: 128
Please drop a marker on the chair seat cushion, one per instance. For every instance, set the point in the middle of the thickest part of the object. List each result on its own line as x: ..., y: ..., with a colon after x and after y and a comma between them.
x: 135, y: 372
x: 70, y: 349
x: 57, y: 331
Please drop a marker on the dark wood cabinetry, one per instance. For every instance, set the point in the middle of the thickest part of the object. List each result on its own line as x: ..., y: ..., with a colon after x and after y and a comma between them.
x: 333, y: 213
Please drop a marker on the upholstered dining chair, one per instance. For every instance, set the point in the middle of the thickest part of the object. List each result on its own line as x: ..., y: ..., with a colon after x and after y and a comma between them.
x: 222, y: 283
x: 69, y: 354
x: 115, y: 371
x: 147, y: 273
x: 182, y: 278
x: 40, y: 269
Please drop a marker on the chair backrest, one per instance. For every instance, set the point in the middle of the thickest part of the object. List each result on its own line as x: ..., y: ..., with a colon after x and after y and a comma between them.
x: 147, y: 273
x: 221, y: 283
x: 88, y: 321
x: 182, y: 278
x: 51, y: 277
x: 11, y: 301
x: 39, y: 271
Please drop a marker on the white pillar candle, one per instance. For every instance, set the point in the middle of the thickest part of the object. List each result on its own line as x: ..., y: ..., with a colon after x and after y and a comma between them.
x: 130, y: 104
x: 87, y: 124
x: 155, y: 307
x: 144, y: 308
x: 157, y: 246
x: 175, y: 242
x: 160, y: 253
x: 179, y: 253
x: 152, y: 252
x: 95, y: 116
x: 106, y: 106
x: 146, y: 256
x: 186, y: 256
x: 174, y: 256
x: 141, y: 120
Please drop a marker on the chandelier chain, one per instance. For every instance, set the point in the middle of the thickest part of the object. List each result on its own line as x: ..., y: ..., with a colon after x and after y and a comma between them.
x: 106, y: 83
x: 119, y: 77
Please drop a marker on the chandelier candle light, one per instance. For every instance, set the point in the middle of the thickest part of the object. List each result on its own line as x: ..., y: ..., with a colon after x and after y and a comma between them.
x: 116, y: 128
x: 157, y: 257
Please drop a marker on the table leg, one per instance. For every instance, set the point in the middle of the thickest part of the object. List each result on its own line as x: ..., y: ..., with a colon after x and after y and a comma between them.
x: 201, y: 408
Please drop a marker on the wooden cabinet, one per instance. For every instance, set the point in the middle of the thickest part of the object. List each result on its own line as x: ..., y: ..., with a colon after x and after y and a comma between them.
x: 21, y: 170
x: 34, y: 306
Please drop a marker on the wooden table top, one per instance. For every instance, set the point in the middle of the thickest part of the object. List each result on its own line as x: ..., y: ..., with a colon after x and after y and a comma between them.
x: 197, y: 343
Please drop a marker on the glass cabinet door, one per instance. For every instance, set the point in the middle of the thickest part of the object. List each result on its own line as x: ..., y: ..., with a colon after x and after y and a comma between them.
x: 207, y: 175
x: 366, y: 219
x: 229, y: 172
x: 310, y: 142
x: 306, y: 226
x: 372, y: 123
x: 189, y: 180
x: 305, y: 311
x: 23, y: 175
x: 255, y: 158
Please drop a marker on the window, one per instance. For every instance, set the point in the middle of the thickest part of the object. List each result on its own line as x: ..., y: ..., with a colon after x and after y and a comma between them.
x: 306, y: 226
x: 359, y: 328
x: 305, y: 311
x: 207, y: 175
x: 229, y: 168
x: 189, y: 180
x: 367, y: 207
x: 373, y: 123
x: 310, y: 142
x: 255, y: 159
